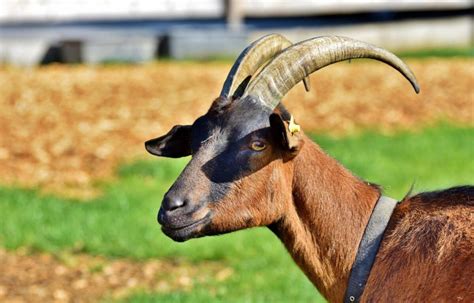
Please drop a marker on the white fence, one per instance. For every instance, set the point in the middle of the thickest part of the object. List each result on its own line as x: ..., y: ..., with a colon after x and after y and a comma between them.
x: 65, y: 10
x: 404, y: 35
x: 29, y: 44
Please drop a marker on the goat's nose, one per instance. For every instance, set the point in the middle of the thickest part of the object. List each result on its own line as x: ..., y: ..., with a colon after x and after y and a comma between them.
x: 173, y: 203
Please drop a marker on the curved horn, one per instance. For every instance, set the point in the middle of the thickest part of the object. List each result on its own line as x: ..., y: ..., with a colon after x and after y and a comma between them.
x: 302, y: 59
x: 251, y: 59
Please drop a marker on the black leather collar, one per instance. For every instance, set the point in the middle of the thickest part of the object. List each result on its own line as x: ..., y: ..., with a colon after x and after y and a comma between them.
x: 368, y: 248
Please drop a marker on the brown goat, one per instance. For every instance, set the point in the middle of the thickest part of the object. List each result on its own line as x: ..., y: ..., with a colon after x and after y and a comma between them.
x: 252, y: 166
x: 427, y: 251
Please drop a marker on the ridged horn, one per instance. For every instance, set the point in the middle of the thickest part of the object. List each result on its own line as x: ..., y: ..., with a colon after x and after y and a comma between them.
x: 251, y: 59
x: 302, y: 59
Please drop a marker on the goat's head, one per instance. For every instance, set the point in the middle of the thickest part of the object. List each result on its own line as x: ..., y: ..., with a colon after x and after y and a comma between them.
x: 242, y: 149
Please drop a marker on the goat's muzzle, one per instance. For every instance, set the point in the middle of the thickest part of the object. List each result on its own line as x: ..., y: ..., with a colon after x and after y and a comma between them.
x: 181, y: 219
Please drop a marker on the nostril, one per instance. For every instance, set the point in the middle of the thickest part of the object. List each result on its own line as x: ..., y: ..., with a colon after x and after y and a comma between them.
x: 175, y: 204
x: 171, y: 204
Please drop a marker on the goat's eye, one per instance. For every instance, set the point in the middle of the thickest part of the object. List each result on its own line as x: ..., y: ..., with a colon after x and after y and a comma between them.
x: 258, y: 145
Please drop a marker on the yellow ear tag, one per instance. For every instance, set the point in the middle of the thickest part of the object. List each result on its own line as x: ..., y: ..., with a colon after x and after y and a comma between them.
x: 293, y: 127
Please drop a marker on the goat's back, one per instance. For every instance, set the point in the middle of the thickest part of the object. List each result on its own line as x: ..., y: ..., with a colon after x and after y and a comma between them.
x: 427, y: 251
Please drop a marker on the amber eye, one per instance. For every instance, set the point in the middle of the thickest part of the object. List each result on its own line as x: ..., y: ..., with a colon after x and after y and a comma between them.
x: 258, y: 145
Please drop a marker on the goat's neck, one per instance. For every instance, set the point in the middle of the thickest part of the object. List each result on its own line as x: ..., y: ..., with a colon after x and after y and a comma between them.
x: 323, y: 227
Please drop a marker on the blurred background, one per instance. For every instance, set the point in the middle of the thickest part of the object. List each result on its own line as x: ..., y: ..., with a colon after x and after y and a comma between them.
x: 86, y: 31
x: 84, y: 83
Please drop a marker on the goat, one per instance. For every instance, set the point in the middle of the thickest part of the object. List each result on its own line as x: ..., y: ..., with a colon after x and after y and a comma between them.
x: 252, y: 166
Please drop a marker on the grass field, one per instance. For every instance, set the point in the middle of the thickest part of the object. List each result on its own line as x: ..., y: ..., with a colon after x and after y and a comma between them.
x: 121, y: 222
x: 79, y: 195
x: 438, y: 52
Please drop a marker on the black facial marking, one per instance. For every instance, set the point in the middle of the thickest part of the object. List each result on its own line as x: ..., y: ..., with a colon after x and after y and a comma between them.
x: 235, y: 161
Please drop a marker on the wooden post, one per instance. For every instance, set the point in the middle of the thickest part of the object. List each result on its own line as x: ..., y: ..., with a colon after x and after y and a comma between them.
x: 234, y: 14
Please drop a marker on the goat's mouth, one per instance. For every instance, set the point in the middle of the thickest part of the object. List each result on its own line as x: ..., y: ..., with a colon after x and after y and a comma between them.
x: 187, y: 231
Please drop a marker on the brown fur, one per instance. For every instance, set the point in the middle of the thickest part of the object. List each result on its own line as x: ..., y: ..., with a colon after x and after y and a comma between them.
x: 319, y: 210
x: 427, y: 252
x: 329, y: 210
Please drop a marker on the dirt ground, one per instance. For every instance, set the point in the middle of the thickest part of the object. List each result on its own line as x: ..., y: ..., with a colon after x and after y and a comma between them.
x: 63, y: 126
x: 81, y: 278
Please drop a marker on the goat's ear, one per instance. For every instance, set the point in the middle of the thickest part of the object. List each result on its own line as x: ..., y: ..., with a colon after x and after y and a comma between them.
x: 175, y: 144
x: 287, y: 133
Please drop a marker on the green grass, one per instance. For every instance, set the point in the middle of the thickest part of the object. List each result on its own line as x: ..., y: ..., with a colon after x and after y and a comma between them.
x: 121, y: 223
x: 467, y: 52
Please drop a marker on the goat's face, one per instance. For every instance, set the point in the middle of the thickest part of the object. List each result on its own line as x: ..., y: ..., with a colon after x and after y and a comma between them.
x: 240, y: 166
x: 242, y: 150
